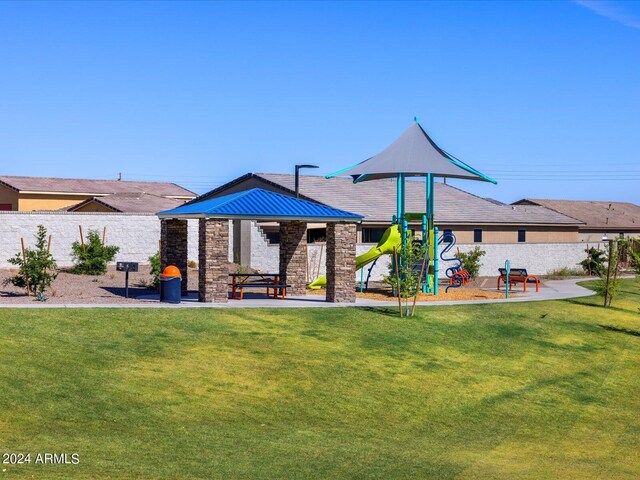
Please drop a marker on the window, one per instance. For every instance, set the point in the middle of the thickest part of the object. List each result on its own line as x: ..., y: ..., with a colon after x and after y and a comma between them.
x: 5, y: 207
x: 372, y: 235
x: 316, y: 235
x: 477, y: 235
x: 522, y: 236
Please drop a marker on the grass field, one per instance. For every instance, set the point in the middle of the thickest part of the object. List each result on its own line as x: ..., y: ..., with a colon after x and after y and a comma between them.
x: 522, y: 390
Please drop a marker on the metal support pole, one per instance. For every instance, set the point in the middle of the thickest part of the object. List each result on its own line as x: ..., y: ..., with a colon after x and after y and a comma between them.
x: 435, y: 261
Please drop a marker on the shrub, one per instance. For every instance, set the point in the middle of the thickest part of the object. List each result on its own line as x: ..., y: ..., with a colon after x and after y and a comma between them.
x: 634, y: 255
x: 35, y: 269
x: 565, y: 272
x: 594, y: 263
x: 93, y: 258
x: 154, y: 261
x: 471, y: 260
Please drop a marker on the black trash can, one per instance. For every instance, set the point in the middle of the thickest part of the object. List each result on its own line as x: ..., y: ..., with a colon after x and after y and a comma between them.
x: 170, y: 285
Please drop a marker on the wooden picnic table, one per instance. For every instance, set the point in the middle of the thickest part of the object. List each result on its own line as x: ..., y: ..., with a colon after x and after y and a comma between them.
x: 270, y: 281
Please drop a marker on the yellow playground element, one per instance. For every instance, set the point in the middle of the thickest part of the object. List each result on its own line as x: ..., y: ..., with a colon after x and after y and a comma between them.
x: 392, y: 237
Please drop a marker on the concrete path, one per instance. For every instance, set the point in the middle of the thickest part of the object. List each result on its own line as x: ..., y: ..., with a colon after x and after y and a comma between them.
x: 553, y: 290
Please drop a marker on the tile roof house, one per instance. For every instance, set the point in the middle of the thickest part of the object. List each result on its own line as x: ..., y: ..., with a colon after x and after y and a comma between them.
x: 597, y: 218
x: 455, y: 209
x: 127, y: 203
x: 43, y: 193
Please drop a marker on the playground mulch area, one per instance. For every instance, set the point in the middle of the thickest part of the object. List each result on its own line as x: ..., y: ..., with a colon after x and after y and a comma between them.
x: 454, y: 294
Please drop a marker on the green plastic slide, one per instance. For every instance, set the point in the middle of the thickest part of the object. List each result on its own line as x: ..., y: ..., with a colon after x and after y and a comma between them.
x: 391, y: 238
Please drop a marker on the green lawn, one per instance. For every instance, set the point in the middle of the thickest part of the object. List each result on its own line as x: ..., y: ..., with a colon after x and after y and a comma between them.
x: 522, y: 390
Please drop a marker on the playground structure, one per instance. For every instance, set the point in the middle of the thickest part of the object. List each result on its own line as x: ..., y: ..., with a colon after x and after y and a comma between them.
x: 415, y: 154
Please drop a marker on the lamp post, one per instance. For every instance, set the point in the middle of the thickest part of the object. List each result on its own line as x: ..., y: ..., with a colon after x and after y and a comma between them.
x: 606, y: 285
x: 298, y: 167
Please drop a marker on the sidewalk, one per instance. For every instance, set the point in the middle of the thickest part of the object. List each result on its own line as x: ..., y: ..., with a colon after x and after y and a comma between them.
x: 554, y: 290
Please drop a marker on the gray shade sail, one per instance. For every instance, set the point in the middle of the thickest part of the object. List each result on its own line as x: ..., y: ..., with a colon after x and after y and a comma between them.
x: 415, y: 155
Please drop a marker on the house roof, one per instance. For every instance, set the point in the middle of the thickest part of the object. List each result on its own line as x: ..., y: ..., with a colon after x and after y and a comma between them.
x: 413, y: 154
x: 259, y: 204
x: 131, y: 203
x: 375, y: 201
x: 92, y: 187
x: 600, y: 215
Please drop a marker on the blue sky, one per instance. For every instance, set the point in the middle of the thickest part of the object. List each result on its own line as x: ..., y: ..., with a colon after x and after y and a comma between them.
x: 543, y: 96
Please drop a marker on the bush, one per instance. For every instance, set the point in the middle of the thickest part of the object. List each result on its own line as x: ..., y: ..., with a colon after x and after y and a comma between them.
x: 35, y: 269
x: 565, y: 272
x: 594, y: 263
x: 154, y: 261
x: 634, y: 255
x: 93, y: 258
x: 471, y: 260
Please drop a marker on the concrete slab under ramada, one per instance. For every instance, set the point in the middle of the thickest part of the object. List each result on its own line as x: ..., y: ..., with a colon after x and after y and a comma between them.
x: 554, y: 290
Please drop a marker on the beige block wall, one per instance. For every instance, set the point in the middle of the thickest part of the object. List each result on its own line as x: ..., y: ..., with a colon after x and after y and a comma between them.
x: 9, y: 196
x: 33, y: 201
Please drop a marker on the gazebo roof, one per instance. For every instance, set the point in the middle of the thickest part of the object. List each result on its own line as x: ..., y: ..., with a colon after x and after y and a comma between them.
x: 414, y: 154
x: 259, y: 204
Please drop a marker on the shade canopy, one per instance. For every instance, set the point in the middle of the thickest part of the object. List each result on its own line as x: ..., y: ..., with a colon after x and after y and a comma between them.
x: 413, y: 154
x: 259, y: 204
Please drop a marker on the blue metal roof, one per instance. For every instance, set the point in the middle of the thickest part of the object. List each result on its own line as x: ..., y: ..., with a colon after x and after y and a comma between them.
x: 259, y: 204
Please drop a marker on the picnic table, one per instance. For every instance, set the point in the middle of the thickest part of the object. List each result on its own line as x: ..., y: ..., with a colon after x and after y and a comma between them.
x: 270, y: 281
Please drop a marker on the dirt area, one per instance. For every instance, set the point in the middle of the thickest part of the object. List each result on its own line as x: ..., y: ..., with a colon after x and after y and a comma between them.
x: 107, y: 288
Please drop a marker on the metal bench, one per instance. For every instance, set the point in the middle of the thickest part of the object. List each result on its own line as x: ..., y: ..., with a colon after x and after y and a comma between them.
x: 518, y: 275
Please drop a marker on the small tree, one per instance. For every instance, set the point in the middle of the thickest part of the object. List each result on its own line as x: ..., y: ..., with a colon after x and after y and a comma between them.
x: 608, y: 284
x: 594, y: 263
x: 92, y: 258
x: 408, y: 281
x: 471, y: 260
x: 36, y: 269
x: 154, y: 261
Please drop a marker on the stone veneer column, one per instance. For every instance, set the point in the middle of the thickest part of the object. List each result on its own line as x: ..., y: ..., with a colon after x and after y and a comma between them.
x: 213, y: 260
x: 341, y: 262
x: 293, y: 261
x: 174, y: 238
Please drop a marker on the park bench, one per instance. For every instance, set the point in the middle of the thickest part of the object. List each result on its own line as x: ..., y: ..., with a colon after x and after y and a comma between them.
x: 518, y: 275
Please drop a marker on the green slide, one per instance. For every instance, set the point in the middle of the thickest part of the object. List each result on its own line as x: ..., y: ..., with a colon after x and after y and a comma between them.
x: 391, y: 238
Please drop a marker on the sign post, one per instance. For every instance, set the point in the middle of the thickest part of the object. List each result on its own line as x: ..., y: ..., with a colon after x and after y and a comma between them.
x: 126, y: 267
x: 507, y: 267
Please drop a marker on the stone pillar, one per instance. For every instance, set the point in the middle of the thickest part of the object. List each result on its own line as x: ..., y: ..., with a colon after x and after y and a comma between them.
x: 293, y: 260
x: 341, y: 262
x: 174, y: 237
x: 213, y: 260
